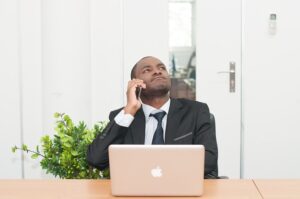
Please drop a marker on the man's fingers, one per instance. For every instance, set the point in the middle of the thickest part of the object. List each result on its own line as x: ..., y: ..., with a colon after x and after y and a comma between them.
x: 136, y: 83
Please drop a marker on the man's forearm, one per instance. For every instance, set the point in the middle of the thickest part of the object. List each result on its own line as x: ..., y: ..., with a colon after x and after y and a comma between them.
x: 97, y: 154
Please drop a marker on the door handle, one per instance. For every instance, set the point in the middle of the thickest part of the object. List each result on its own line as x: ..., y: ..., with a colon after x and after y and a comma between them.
x: 231, y: 76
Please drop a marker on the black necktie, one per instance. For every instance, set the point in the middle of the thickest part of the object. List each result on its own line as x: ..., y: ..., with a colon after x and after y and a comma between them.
x: 158, y: 137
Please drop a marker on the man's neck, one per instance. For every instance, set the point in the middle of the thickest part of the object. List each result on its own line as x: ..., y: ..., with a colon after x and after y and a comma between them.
x: 156, y: 102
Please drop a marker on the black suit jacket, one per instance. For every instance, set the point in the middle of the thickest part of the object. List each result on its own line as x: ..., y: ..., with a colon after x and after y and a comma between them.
x: 188, y: 122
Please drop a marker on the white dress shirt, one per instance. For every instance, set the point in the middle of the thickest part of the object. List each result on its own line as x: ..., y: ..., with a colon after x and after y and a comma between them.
x: 125, y: 120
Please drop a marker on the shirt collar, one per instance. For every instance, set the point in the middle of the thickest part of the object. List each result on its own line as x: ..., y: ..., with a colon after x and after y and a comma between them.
x: 150, y: 109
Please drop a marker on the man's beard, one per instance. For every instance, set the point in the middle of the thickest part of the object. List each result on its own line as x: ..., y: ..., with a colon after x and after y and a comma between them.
x: 156, y: 92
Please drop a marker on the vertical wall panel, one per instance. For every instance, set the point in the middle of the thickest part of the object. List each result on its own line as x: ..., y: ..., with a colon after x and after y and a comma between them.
x: 31, y: 62
x: 106, y: 57
x: 10, y: 99
x: 66, y: 60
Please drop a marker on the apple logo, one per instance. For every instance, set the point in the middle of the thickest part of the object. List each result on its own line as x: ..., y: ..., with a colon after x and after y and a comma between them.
x: 156, y: 172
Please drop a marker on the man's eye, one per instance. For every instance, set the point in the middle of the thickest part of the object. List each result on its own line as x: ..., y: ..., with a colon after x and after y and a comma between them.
x: 162, y: 67
x: 146, y: 70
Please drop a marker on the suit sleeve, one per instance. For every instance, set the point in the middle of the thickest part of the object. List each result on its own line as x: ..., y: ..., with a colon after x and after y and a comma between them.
x: 97, y: 153
x: 206, y: 136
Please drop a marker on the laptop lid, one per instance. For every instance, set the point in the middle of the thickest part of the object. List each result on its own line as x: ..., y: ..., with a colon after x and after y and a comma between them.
x: 156, y: 170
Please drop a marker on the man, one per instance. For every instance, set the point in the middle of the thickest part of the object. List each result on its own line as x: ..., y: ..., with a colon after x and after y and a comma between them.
x: 151, y: 117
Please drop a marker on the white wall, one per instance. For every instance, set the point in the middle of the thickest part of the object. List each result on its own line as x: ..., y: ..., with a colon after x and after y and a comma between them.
x: 68, y: 56
x: 271, y: 90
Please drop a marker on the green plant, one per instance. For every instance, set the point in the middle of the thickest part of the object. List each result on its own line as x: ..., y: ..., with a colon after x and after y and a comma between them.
x: 65, y: 154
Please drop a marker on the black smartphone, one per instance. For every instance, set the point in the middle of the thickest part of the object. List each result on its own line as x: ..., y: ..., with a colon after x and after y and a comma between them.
x: 138, y: 92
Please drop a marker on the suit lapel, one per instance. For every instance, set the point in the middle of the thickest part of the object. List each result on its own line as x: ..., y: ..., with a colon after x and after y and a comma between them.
x: 138, y: 127
x: 173, y: 120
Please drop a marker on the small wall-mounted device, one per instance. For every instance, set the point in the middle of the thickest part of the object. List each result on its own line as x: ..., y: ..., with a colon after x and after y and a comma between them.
x: 272, y: 24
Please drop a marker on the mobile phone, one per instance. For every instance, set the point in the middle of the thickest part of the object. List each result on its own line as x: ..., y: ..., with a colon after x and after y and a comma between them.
x: 138, y: 92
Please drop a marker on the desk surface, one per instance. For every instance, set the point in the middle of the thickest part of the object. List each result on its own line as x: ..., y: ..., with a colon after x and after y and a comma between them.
x: 92, y: 189
x: 279, y: 188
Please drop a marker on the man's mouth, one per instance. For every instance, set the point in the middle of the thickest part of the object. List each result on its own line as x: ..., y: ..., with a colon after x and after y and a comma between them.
x: 158, y: 78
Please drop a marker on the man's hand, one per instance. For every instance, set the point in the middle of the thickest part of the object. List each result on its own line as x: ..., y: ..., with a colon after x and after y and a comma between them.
x: 133, y: 103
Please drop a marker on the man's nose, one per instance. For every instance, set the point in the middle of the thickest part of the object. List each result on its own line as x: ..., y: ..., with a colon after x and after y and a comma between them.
x: 157, y: 71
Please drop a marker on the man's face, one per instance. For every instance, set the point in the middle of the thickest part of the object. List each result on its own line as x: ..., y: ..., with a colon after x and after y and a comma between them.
x: 155, y: 75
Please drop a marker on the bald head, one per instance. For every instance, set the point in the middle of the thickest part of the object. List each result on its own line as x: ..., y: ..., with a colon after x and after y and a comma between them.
x: 133, y: 70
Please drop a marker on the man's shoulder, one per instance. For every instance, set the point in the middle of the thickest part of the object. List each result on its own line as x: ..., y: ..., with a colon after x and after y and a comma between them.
x: 116, y: 111
x: 113, y: 113
x: 190, y: 103
x: 194, y: 108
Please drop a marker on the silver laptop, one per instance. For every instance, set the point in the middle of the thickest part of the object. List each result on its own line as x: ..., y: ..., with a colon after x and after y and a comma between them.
x: 156, y: 170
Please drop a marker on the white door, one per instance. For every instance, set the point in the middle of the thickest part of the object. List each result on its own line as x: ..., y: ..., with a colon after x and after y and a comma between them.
x: 218, y: 35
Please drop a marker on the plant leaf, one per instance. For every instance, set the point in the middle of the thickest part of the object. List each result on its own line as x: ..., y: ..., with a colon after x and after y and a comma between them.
x: 57, y: 115
x: 24, y: 147
x: 34, y: 156
x: 66, y: 144
x: 74, y: 153
x: 13, y: 149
